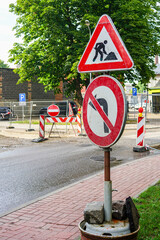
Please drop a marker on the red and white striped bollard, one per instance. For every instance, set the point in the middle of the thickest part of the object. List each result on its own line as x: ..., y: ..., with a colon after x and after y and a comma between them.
x: 79, y: 126
x: 140, y: 128
x: 42, y: 126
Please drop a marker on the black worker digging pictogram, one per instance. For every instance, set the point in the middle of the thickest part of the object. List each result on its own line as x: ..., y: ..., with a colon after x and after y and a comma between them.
x: 101, y: 52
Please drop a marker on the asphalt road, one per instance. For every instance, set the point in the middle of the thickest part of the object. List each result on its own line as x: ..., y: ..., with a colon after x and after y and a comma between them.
x: 35, y: 169
x: 32, y: 171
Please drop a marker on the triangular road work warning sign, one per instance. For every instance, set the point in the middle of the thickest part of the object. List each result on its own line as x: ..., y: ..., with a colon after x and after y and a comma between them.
x: 70, y: 111
x: 105, y: 50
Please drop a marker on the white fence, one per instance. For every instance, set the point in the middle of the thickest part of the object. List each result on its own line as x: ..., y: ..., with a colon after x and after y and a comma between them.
x: 149, y: 102
x: 31, y: 110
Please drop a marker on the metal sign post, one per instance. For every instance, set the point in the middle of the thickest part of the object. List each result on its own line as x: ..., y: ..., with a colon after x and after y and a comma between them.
x: 10, y: 118
x: 107, y: 186
x: 104, y: 116
x: 23, y: 113
x: 104, y: 113
x: 22, y: 102
x: 30, y: 117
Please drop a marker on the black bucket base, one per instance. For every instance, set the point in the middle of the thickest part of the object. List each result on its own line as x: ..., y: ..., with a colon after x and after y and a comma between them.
x: 90, y: 236
x: 30, y: 130
x: 37, y: 140
x: 140, y: 149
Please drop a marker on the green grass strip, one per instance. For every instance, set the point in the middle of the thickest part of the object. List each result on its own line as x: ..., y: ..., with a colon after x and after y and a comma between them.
x: 148, y: 205
x: 37, y: 122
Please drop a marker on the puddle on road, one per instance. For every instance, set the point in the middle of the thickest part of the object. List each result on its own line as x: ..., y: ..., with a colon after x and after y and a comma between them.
x: 101, y: 158
x: 4, y: 147
x: 114, y: 161
x: 85, y: 145
x: 127, y: 156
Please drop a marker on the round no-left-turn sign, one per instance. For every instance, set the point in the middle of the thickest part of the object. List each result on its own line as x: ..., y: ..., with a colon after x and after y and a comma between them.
x: 104, y: 111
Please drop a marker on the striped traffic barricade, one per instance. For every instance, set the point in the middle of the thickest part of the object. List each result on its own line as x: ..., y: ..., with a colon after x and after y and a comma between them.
x: 41, y: 130
x: 140, y: 133
x: 42, y: 126
x: 55, y: 120
x: 79, y: 122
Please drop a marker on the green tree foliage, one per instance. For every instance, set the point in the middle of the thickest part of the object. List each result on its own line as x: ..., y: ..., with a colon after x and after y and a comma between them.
x: 140, y: 87
x: 55, y: 35
x: 3, y: 65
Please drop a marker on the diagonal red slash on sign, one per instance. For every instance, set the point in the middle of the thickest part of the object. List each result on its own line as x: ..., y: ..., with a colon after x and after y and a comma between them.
x: 101, y: 112
x: 91, y: 122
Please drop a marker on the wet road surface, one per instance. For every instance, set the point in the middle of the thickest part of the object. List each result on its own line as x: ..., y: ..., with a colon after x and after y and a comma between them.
x: 31, y: 171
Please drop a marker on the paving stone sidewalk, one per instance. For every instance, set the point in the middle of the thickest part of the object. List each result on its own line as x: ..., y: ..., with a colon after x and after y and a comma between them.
x: 56, y: 217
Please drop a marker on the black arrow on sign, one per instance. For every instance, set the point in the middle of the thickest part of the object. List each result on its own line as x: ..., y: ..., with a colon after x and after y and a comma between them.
x: 104, y: 104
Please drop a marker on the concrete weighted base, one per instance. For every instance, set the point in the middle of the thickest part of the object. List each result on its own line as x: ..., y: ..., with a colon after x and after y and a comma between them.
x: 140, y: 149
x: 40, y: 139
x: 85, y: 235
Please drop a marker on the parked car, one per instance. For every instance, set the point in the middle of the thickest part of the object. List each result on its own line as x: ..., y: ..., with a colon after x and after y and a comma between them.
x: 5, y: 113
x: 64, y: 109
x: 138, y: 105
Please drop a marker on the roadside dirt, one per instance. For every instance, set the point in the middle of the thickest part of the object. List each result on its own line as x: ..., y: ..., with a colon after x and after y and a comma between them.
x: 8, y: 142
x: 12, y: 142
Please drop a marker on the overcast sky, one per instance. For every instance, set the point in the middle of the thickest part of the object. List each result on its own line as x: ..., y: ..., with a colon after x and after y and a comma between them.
x: 7, y: 22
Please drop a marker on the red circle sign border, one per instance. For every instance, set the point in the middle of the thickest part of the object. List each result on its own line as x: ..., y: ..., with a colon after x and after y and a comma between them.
x: 119, y: 94
x: 58, y: 110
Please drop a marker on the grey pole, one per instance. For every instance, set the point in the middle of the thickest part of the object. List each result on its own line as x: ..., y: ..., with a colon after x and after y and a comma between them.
x: 30, y: 117
x: 107, y: 186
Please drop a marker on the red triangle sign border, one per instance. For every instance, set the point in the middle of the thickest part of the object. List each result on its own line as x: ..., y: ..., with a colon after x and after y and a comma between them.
x: 124, y: 64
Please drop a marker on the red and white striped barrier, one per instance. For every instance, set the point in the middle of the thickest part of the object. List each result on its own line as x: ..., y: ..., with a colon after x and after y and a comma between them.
x: 140, y: 130
x: 67, y: 120
x: 61, y: 119
x: 42, y: 126
x: 79, y: 128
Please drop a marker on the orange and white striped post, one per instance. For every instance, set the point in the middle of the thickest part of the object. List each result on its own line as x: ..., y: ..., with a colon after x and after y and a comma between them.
x: 79, y: 125
x: 140, y: 128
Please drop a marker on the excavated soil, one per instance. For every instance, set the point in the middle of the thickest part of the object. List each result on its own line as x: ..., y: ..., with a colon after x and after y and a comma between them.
x: 12, y: 142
